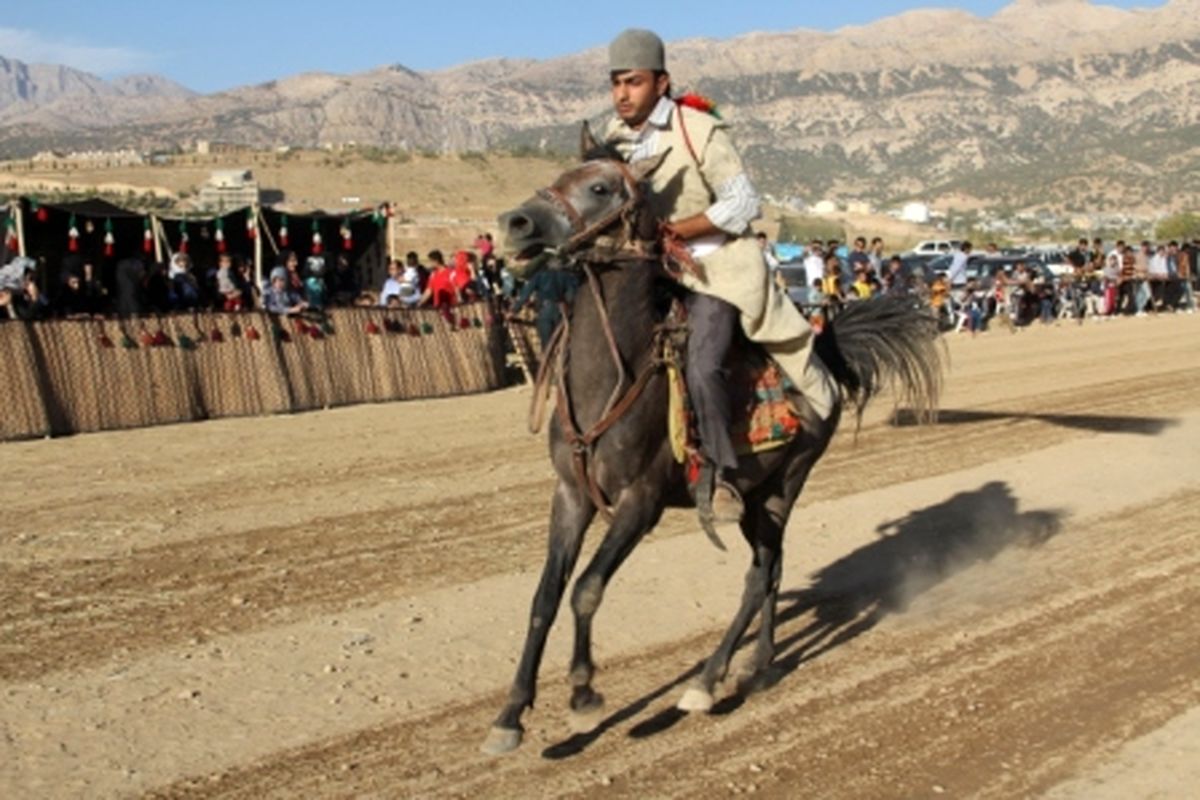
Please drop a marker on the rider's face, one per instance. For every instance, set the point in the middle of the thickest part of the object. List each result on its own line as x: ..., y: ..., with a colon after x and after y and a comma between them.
x: 635, y: 92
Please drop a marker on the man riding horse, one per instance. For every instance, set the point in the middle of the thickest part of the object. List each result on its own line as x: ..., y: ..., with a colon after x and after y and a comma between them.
x: 706, y: 202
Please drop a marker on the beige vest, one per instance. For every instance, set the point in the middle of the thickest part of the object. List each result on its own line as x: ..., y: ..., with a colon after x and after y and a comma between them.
x: 736, y: 272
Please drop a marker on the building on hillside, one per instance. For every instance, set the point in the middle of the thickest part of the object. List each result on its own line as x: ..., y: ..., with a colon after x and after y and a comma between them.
x: 824, y: 207
x: 915, y: 212
x: 227, y: 190
x: 207, y: 147
x: 858, y: 207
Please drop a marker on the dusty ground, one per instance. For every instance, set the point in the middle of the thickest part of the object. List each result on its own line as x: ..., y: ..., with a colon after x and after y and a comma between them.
x: 330, y: 604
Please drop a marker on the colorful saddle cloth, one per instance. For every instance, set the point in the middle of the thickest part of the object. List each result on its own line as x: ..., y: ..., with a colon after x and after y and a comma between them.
x: 764, y: 417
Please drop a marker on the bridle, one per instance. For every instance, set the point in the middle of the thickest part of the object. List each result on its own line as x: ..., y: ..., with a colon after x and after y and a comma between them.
x: 582, y: 233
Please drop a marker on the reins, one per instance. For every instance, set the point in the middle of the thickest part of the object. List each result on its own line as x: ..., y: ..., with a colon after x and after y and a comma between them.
x: 623, y: 249
x: 624, y: 393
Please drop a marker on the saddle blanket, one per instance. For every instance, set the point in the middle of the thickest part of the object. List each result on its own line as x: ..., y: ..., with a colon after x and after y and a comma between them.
x: 764, y: 417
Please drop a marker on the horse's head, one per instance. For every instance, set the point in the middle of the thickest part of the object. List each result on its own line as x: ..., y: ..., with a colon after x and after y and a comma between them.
x: 584, y: 203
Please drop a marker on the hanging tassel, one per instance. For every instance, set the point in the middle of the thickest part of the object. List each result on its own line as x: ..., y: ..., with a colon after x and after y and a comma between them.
x: 110, y: 241
x: 147, y: 237
x: 72, y: 235
x: 220, y: 235
x: 283, y: 231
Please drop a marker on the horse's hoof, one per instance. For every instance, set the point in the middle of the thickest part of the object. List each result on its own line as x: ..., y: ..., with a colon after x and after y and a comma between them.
x: 587, y: 718
x: 695, y: 700
x: 501, y: 740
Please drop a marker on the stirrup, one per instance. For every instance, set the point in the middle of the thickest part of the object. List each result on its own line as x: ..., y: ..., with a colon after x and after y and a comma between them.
x: 705, y: 483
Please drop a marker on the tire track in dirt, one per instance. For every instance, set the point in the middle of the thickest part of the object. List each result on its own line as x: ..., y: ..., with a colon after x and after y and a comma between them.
x: 85, y: 611
x: 992, y: 691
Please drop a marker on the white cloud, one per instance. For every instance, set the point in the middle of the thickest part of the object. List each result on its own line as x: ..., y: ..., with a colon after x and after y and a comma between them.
x: 34, y: 48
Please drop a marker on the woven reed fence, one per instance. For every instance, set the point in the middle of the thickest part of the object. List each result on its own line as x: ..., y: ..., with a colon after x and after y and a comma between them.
x: 23, y: 407
x: 73, y: 376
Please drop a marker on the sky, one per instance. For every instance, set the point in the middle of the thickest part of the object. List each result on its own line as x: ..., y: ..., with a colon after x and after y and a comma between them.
x: 220, y: 44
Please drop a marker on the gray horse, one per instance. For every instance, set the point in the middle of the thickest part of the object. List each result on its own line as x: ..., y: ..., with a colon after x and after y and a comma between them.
x: 608, y: 438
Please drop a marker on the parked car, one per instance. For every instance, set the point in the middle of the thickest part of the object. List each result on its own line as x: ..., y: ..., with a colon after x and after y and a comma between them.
x: 932, y: 246
x: 795, y: 278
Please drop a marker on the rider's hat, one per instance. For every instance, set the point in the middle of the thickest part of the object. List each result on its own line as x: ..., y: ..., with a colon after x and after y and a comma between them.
x: 636, y: 48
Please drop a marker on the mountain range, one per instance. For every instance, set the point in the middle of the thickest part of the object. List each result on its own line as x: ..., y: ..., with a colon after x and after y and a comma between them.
x: 1057, y: 103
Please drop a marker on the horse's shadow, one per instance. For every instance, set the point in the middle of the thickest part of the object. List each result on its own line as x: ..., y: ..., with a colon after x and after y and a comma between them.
x: 1097, y: 423
x: 850, y: 596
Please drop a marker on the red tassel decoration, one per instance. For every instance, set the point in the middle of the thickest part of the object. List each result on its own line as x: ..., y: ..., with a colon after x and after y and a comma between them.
x: 700, y: 103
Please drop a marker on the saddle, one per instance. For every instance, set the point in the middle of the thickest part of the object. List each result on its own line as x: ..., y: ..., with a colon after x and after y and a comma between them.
x: 764, y: 416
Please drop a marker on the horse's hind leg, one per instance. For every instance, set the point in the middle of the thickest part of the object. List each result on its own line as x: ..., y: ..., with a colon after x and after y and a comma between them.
x: 763, y: 567
x: 636, y: 512
x: 569, y: 517
x: 766, y: 517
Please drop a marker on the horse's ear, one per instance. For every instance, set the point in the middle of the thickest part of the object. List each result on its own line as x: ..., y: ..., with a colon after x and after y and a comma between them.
x: 587, y: 143
x: 643, y: 168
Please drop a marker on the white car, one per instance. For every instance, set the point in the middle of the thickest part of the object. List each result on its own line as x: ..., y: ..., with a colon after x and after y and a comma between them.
x: 931, y: 247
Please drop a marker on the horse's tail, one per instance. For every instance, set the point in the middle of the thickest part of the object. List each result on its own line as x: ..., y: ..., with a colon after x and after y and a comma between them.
x: 886, y: 340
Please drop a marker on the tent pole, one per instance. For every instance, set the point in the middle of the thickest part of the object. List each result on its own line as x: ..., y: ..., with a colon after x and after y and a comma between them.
x: 391, y: 223
x: 15, y: 209
x: 157, y: 227
x: 258, y: 250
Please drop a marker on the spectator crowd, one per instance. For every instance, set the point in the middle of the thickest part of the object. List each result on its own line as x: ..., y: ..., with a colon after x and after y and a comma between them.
x: 1013, y: 289
x: 134, y: 286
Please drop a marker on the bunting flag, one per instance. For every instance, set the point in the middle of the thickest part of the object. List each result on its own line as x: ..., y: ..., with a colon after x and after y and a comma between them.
x: 220, y: 235
x: 72, y: 235
x: 39, y: 211
x: 10, y: 235
x: 147, y: 237
x: 347, y: 235
x: 183, y: 236
x: 283, y: 231
x: 316, y: 238
x: 110, y: 241
x: 251, y: 226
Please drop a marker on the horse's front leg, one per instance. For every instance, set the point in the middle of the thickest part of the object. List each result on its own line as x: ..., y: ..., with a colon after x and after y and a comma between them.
x: 637, y: 511
x: 570, y: 514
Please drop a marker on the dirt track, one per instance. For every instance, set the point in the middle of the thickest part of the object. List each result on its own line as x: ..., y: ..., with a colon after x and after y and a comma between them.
x: 331, y: 604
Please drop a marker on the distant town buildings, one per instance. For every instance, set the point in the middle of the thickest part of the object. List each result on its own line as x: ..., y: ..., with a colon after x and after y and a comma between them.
x: 915, y: 212
x: 89, y: 158
x: 228, y: 189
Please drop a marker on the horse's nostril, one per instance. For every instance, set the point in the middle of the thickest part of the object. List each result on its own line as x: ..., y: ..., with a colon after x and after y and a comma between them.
x: 519, y: 224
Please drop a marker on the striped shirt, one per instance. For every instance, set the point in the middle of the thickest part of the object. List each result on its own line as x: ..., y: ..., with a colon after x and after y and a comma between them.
x: 736, y: 204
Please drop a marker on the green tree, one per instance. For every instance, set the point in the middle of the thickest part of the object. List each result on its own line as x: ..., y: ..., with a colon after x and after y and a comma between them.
x: 1178, y: 227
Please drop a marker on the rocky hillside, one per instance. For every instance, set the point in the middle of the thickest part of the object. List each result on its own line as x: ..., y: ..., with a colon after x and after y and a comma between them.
x: 1055, y: 102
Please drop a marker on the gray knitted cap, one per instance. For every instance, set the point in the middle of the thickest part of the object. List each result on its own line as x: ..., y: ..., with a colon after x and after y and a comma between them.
x: 636, y: 48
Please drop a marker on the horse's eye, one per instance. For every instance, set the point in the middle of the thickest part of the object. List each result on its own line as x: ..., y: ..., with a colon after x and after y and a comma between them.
x: 599, y: 189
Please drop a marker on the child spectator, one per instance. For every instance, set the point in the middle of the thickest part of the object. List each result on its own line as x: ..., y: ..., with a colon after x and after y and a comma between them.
x: 183, y: 292
x: 314, y: 284
x: 229, y: 294
x: 20, y: 296
x: 345, y: 282
x: 441, y: 292
x: 279, y: 298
